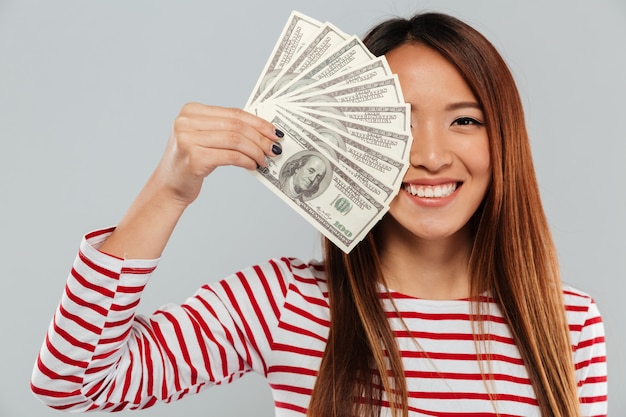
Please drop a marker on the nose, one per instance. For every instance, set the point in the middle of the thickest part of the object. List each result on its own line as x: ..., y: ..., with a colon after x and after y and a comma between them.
x: 429, y: 150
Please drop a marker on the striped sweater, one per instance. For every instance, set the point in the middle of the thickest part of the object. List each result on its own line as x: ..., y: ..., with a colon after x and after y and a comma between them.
x: 273, y: 319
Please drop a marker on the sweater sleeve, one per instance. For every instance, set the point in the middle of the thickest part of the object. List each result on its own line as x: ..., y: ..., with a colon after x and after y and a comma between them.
x: 590, y: 364
x: 99, y: 354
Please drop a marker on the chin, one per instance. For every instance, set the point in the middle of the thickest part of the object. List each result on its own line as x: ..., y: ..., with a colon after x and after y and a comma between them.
x: 409, y: 229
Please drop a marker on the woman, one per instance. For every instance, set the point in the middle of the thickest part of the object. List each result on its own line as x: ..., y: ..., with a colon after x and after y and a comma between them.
x: 452, y: 305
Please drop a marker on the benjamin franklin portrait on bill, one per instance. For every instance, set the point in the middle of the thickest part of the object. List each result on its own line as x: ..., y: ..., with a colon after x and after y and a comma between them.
x: 305, y: 175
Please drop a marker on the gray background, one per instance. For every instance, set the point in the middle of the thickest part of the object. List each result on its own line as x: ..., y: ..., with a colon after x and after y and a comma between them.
x: 88, y: 91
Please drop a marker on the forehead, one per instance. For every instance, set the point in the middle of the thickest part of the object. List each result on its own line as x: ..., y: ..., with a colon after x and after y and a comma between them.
x: 416, y: 57
x: 314, y: 162
x: 426, y: 74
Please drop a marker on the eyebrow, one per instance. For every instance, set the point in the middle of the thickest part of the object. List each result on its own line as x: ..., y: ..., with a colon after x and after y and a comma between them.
x: 464, y: 105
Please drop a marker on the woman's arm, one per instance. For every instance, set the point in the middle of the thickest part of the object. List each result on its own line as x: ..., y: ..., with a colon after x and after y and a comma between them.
x: 98, y: 354
x: 203, y: 138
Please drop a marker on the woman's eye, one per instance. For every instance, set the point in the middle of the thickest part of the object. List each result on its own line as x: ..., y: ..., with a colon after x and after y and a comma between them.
x: 467, y: 121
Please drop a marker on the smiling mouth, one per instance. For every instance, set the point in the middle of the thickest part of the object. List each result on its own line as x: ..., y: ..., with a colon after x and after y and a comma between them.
x: 431, y: 191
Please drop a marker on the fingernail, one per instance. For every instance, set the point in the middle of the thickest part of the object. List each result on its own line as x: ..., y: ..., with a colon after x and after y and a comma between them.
x: 279, y: 133
x: 277, y: 149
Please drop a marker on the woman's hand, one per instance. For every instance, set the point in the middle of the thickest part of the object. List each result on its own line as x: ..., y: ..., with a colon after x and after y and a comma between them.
x: 203, y: 138
x: 206, y: 137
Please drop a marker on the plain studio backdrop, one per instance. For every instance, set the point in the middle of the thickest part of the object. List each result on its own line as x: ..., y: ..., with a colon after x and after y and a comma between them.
x: 88, y: 92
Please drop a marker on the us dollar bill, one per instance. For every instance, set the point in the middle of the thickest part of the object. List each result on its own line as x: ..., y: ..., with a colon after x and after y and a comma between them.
x: 394, y: 145
x: 364, y: 161
x: 390, y: 117
x: 370, y: 70
x: 348, y: 55
x: 378, y: 189
x: 326, y: 39
x: 295, y: 35
x: 377, y: 92
x: 316, y: 187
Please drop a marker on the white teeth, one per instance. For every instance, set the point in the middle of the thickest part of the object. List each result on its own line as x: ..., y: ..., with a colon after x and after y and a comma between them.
x: 437, y: 191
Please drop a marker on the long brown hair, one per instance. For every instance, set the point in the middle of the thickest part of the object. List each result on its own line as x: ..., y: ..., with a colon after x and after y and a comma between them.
x: 513, y: 255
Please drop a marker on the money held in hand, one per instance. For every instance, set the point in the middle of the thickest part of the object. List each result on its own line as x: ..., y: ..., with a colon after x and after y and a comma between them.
x: 346, y: 125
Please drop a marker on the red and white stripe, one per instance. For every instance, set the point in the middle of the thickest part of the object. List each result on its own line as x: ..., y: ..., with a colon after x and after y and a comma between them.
x: 273, y: 319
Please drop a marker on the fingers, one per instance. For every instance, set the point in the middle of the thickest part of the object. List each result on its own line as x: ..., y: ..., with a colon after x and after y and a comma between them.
x: 234, y: 116
x: 206, y: 150
x: 228, y: 129
x: 206, y: 137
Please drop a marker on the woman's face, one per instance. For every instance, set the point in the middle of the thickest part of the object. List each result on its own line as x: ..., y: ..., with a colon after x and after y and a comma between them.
x: 450, y: 166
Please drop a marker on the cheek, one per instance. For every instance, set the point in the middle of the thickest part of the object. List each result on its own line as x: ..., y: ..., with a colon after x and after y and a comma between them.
x: 482, y: 167
x: 481, y: 174
x: 478, y: 160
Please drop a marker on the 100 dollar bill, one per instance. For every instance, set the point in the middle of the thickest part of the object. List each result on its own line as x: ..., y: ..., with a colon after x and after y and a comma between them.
x: 296, y: 34
x: 365, y: 177
x: 393, y: 144
x: 377, y: 92
x: 391, y: 117
x: 326, y: 39
x: 370, y: 70
x: 385, y: 169
x: 348, y: 55
x: 314, y: 185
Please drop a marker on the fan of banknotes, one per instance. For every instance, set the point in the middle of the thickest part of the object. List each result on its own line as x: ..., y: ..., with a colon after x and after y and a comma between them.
x: 346, y: 125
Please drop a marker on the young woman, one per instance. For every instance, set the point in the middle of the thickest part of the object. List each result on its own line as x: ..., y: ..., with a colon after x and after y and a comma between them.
x: 452, y: 305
